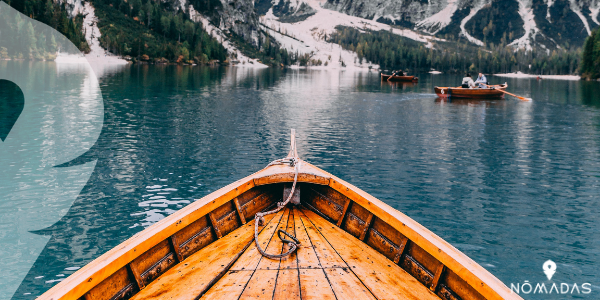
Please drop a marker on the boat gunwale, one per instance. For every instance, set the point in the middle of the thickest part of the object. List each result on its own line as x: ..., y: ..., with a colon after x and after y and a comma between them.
x: 92, y: 274
x: 472, y: 92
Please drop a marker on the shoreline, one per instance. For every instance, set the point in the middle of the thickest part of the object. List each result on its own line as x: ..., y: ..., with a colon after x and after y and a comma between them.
x: 553, y: 77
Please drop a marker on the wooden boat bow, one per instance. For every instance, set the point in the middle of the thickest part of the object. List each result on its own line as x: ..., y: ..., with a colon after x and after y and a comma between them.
x: 201, y: 250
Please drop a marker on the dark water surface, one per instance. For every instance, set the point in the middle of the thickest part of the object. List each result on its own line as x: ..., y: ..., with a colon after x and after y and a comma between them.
x: 510, y: 183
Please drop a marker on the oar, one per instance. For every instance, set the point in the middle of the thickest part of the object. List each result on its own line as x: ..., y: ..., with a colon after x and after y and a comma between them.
x: 518, y: 97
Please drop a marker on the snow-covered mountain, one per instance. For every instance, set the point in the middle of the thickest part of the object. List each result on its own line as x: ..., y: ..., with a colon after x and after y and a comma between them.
x: 526, y: 23
x: 303, y: 26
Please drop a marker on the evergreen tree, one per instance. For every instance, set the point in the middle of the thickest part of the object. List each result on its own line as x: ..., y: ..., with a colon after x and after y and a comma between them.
x: 590, y: 60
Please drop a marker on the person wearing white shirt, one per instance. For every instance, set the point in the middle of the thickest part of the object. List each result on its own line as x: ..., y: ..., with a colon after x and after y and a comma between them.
x: 468, y: 82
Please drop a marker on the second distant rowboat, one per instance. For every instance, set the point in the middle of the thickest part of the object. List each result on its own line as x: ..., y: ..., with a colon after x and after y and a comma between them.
x: 385, y: 77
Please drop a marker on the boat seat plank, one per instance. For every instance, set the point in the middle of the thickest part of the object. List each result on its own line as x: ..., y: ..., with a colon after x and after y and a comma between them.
x: 342, y: 281
x: 290, y: 262
x: 307, y: 257
x: 192, y: 277
x: 232, y: 285
x: 251, y: 257
x: 328, y: 257
x: 261, y: 285
x: 288, y: 285
x: 314, y: 285
x: 346, y: 285
x: 380, y: 275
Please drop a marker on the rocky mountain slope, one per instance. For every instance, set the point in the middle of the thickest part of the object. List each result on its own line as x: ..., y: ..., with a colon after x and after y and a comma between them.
x: 284, y: 32
x: 523, y: 23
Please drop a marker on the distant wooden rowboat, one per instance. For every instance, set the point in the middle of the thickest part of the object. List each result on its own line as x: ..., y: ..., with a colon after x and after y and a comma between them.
x: 484, y: 93
x: 385, y: 77
x: 352, y: 246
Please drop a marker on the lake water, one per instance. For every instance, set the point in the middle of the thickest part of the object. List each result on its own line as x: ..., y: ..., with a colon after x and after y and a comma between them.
x: 510, y: 183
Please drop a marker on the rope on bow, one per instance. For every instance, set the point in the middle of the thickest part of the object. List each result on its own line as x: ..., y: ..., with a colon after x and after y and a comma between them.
x: 293, y: 161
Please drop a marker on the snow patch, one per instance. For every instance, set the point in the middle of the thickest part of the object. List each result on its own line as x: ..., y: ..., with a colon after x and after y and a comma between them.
x: 549, y: 3
x: 101, y: 61
x: 92, y: 35
x: 594, y: 13
x: 577, y: 10
x: 438, y: 21
x: 531, y: 29
x: 74, y: 7
x: 464, y: 21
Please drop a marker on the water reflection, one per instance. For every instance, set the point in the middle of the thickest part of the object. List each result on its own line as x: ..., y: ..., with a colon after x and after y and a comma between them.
x: 510, y: 183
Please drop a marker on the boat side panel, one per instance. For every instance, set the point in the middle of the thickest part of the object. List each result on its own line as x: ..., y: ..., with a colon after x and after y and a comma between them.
x: 266, y: 196
x: 153, y: 263
x: 460, y: 287
x: 326, y: 205
x: 193, y: 238
x: 355, y: 220
x: 225, y: 219
x: 425, y: 259
x: 119, y: 285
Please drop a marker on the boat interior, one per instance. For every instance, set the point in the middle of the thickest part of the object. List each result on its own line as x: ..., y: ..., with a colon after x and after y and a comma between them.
x: 345, y: 252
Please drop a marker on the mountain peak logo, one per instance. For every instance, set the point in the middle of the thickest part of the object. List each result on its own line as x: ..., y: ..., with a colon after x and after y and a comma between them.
x: 549, y: 269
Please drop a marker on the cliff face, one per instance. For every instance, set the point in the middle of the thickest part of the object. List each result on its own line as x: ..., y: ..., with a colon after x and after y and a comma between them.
x: 239, y: 17
x: 527, y: 23
x: 234, y: 16
x: 287, y: 11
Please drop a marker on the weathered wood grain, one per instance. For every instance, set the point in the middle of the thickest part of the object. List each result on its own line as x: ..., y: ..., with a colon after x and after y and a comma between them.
x: 346, y: 285
x: 307, y: 257
x: 230, y: 286
x: 290, y: 262
x: 261, y: 285
x: 380, y: 275
x: 328, y: 257
x: 288, y: 285
x: 314, y: 285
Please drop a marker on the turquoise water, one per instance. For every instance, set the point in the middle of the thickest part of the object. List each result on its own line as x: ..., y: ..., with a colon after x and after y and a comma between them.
x: 510, y: 183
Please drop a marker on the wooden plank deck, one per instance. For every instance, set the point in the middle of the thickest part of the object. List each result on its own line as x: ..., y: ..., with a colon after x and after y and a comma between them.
x: 330, y: 264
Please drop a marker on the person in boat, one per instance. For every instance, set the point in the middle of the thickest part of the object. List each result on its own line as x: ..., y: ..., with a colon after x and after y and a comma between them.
x: 468, y: 82
x: 397, y: 73
x: 481, y: 81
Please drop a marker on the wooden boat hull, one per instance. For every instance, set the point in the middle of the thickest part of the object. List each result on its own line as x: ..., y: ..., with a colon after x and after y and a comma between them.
x: 352, y: 245
x: 475, y: 93
x: 385, y: 77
